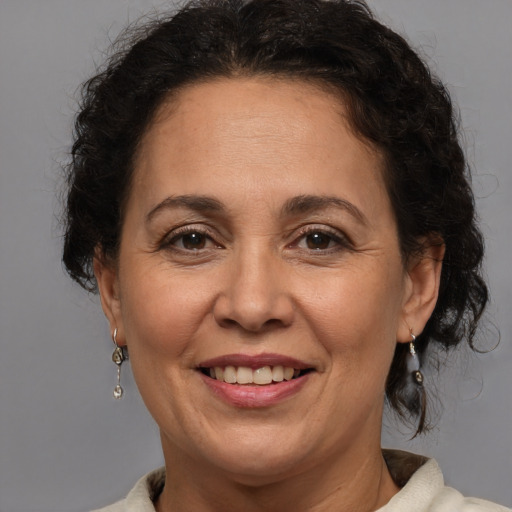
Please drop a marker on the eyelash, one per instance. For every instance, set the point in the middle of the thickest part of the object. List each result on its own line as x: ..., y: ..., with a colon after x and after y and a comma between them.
x: 342, y: 241
x: 170, y: 240
x: 334, y: 236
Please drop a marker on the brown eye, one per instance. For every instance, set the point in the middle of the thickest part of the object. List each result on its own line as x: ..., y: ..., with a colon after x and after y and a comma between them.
x: 318, y: 240
x: 190, y: 240
x: 193, y: 241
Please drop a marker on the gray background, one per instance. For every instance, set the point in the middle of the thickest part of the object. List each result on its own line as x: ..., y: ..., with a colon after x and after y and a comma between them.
x: 65, y: 444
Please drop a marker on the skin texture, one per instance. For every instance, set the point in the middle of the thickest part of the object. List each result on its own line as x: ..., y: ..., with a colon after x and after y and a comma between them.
x: 321, y: 281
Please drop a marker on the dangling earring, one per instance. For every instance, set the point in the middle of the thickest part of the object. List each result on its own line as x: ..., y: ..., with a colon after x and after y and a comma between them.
x: 118, y: 357
x: 413, y: 363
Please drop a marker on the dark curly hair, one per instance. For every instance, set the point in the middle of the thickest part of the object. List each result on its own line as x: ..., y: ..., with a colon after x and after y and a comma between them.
x: 392, y: 99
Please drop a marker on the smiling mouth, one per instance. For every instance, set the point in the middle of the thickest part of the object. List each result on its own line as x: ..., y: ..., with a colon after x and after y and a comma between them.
x: 264, y: 376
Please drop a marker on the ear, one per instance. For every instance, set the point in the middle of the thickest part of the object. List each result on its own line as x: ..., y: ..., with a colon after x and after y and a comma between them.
x: 108, y: 286
x: 422, y: 288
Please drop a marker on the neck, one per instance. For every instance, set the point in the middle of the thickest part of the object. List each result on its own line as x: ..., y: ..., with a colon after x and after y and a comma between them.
x: 333, y: 485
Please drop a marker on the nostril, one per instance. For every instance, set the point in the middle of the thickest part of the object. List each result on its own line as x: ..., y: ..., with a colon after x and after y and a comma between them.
x: 254, y: 310
x: 250, y: 326
x: 227, y: 322
x: 253, y: 325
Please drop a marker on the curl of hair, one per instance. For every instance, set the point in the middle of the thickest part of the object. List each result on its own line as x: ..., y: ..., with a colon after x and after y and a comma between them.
x: 392, y: 99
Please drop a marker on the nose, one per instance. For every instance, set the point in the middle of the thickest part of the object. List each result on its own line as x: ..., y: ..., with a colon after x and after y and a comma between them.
x: 255, y: 296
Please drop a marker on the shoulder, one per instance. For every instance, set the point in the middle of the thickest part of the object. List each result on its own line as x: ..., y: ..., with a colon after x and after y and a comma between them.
x: 141, y: 497
x: 423, y: 489
x: 450, y: 500
x: 119, y: 506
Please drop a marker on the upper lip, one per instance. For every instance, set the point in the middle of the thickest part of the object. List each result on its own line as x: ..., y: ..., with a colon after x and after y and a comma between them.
x: 255, y: 361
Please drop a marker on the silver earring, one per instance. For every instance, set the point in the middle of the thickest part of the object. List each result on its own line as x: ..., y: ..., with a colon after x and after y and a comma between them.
x: 413, y: 363
x: 118, y: 357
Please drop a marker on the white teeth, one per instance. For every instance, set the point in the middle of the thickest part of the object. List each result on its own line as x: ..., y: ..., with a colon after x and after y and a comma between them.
x: 278, y: 373
x: 245, y: 375
x: 262, y: 376
x: 288, y: 373
x: 230, y: 374
x: 219, y: 373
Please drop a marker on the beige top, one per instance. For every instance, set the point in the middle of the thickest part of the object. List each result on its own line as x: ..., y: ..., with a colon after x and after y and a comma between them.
x: 422, y: 483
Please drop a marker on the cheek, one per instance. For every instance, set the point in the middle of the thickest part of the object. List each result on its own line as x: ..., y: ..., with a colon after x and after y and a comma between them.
x: 356, y: 317
x: 162, y: 310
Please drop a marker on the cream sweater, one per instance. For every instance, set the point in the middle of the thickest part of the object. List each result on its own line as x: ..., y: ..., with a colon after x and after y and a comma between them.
x: 422, y: 483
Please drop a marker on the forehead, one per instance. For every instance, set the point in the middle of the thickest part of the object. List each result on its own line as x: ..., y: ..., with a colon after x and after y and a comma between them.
x: 258, y: 108
x: 252, y: 132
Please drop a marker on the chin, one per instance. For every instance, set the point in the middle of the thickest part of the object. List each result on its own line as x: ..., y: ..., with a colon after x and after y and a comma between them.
x: 262, y: 456
x: 257, y: 469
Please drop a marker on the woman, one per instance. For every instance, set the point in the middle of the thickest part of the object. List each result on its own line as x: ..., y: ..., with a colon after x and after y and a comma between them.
x: 271, y: 200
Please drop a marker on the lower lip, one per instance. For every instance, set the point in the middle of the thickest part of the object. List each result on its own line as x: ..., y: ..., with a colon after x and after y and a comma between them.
x: 254, y: 396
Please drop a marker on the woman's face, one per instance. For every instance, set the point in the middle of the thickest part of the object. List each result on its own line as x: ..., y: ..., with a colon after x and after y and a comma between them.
x: 258, y: 242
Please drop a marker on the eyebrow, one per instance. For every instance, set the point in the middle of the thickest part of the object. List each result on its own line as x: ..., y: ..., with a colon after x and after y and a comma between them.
x: 294, y: 206
x: 310, y: 203
x: 191, y: 202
